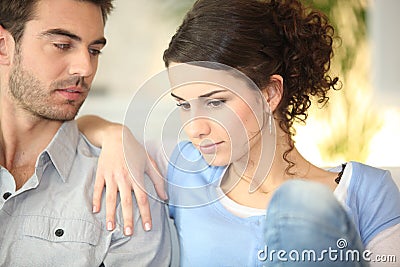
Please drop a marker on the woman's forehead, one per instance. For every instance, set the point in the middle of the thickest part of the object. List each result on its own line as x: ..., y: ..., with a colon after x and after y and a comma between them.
x: 206, y: 78
x: 199, y: 89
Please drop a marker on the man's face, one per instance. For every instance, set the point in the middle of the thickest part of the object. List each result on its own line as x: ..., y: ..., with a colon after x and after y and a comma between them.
x: 56, y: 61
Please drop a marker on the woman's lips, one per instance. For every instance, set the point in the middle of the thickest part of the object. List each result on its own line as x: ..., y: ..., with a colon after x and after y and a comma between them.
x: 209, y: 148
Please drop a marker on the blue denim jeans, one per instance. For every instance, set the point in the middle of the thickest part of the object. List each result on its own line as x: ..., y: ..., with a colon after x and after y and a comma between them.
x: 307, y: 226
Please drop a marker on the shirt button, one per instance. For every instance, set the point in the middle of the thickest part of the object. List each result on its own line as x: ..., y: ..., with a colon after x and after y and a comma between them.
x: 59, y: 232
x: 6, y: 195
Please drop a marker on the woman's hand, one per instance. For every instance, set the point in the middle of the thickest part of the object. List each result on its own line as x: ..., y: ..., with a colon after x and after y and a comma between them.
x: 121, y: 167
x: 113, y: 172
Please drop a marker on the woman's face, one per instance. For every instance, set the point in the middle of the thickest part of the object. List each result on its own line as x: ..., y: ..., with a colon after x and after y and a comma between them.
x: 222, y: 117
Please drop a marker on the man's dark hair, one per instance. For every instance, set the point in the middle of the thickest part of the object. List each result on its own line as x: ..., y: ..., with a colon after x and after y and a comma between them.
x: 14, y: 14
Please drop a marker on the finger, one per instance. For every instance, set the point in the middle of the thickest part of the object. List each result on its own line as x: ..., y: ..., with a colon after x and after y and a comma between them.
x: 158, y: 180
x: 127, y: 209
x: 142, y: 200
x: 97, y: 192
x: 111, y: 200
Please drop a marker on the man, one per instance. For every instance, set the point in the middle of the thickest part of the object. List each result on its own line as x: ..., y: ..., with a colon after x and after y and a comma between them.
x: 48, y: 58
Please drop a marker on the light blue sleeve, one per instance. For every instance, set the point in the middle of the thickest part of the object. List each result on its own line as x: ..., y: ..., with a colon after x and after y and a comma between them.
x: 374, y: 200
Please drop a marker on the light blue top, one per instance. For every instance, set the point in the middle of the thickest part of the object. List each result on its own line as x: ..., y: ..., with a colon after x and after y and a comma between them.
x: 371, y: 197
x: 49, y: 221
x: 210, y: 235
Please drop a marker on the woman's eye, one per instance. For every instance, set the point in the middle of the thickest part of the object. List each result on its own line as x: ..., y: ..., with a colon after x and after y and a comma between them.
x: 215, y: 103
x: 183, y: 105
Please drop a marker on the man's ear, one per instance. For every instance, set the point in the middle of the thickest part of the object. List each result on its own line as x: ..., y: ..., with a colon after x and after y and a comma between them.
x: 274, y: 91
x: 7, y: 46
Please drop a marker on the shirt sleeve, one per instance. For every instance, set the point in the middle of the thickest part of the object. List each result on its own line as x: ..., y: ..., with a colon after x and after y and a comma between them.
x: 160, y: 155
x: 385, y: 248
x: 376, y: 198
x: 151, y: 248
x: 159, y: 152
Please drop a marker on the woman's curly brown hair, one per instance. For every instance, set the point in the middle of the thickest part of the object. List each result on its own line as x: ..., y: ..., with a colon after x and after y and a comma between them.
x: 262, y: 38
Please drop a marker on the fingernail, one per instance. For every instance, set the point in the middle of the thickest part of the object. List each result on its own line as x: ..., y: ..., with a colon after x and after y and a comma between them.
x: 94, y: 209
x: 128, y: 231
x: 165, y: 196
x: 147, y: 227
x: 109, y: 226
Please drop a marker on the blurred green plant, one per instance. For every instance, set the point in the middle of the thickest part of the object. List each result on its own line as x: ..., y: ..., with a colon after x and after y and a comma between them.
x: 175, y: 9
x: 350, y: 120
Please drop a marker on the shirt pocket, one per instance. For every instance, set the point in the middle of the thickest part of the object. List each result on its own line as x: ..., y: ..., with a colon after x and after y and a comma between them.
x: 62, y: 229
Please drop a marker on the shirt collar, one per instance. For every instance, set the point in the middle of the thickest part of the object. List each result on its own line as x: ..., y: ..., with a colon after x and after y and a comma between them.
x: 62, y: 148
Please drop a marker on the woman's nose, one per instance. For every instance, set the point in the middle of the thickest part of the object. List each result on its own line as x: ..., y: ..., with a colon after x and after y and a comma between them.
x: 198, y: 127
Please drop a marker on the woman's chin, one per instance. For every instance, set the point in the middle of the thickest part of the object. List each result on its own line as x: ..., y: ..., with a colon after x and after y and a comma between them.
x: 215, y: 160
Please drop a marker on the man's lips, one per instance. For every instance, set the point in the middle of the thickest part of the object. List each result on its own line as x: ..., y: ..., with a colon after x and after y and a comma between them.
x: 71, y: 93
x: 72, y: 89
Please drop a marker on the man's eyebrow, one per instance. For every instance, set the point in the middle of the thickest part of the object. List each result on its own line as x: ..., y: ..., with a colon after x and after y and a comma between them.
x: 62, y: 33
x: 101, y: 41
x: 72, y: 36
x: 205, y: 95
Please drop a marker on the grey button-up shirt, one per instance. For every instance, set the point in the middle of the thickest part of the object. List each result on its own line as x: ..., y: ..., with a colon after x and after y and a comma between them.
x: 49, y: 221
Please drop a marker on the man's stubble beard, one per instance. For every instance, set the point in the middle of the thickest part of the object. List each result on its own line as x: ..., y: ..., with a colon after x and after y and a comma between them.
x: 31, y: 95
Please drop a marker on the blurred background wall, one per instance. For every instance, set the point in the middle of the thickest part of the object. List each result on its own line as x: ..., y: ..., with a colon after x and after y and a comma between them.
x: 138, y: 32
x: 359, y: 124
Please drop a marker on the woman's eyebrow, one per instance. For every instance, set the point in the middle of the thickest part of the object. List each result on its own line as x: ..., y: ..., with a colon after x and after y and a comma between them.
x: 205, y: 95
x: 212, y: 93
x: 177, y: 97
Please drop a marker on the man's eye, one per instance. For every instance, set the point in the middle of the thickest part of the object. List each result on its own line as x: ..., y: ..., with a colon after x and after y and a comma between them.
x: 94, y: 52
x: 215, y: 103
x: 183, y: 105
x: 62, y: 46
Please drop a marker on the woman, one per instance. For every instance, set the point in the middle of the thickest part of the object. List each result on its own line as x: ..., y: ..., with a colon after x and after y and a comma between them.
x: 285, y: 50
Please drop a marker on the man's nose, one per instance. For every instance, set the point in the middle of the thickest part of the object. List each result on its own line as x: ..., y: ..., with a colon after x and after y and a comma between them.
x: 83, y: 64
